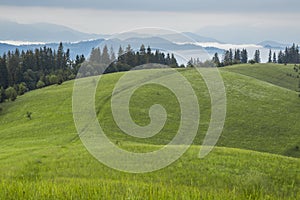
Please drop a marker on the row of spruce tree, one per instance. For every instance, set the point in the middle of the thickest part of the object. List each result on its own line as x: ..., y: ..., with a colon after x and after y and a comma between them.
x: 104, y: 61
x: 28, y: 70
x: 24, y: 71
x: 289, y: 55
x: 237, y: 56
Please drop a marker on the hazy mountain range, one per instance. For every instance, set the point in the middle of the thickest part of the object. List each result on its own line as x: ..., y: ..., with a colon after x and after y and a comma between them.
x: 156, y: 43
x: 42, y: 32
x: 77, y: 48
x: 30, y: 36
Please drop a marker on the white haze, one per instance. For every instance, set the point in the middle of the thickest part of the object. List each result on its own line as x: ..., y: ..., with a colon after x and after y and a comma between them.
x: 19, y: 43
x: 251, y: 48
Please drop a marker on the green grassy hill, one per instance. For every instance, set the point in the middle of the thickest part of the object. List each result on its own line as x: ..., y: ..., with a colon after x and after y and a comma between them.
x: 43, y: 158
x: 272, y: 73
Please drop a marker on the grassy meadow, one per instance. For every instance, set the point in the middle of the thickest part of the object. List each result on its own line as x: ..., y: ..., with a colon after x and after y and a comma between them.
x: 257, y: 156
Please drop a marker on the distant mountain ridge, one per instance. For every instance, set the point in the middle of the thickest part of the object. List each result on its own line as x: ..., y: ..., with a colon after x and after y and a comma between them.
x: 78, y: 48
x: 186, y: 44
x: 53, y: 33
x: 183, y: 51
x: 273, y: 45
x: 85, y: 47
x: 42, y: 32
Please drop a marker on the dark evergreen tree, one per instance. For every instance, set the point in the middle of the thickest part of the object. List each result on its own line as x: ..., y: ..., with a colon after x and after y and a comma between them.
x: 237, y: 56
x: 112, y: 54
x: 190, y: 63
x: 14, y: 67
x: 120, y: 52
x: 148, y: 51
x: 168, y: 59
x: 230, y: 56
x: 130, y: 56
x: 270, y: 56
x: 227, y: 60
x: 216, y: 60
x: 3, y: 72
x: 142, y: 50
x: 2, y: 94
x: 67, y: 60
x: 173, y: 62
x: 244, y: 56
x: 141, y: 56
x: 297, y: 55
x: 286, y: 56
x: 60, y: 56
x: 274, y: 58
x: 78, y: 61
x: 95, y: 56
x: 257, y: 56
x: 150, y: 55
x: 280, y: 57
x: 105, y: 58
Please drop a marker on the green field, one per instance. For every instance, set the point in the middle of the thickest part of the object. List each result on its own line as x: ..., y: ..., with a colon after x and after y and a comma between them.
x: 257, y: 155
x: 274, y: 74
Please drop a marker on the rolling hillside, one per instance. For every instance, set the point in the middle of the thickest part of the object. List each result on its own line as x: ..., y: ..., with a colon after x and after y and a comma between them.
x: 44, y: 157
x: 274, y: 74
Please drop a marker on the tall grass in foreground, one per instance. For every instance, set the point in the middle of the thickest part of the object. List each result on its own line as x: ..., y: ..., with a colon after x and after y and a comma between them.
x: 92, y: 189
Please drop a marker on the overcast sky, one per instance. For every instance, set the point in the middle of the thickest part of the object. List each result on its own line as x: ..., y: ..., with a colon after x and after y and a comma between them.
x: 229, y: 21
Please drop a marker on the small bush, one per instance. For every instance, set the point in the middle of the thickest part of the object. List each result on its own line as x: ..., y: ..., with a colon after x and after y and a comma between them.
x: 252, y: 62
x: 71, y: 77
x: 28, y: 114
x: 22, y: 88
x: 11, y: 93
x: 59, y: 82
x: 53, y: 79
x: 40, y: 84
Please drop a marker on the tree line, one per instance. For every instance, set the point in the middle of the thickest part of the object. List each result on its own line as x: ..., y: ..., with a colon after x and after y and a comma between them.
x: 104, y: 61
x: 237, y: 56
x: 290, y: 55
x: 32, y: 69
x: 131, y: 59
